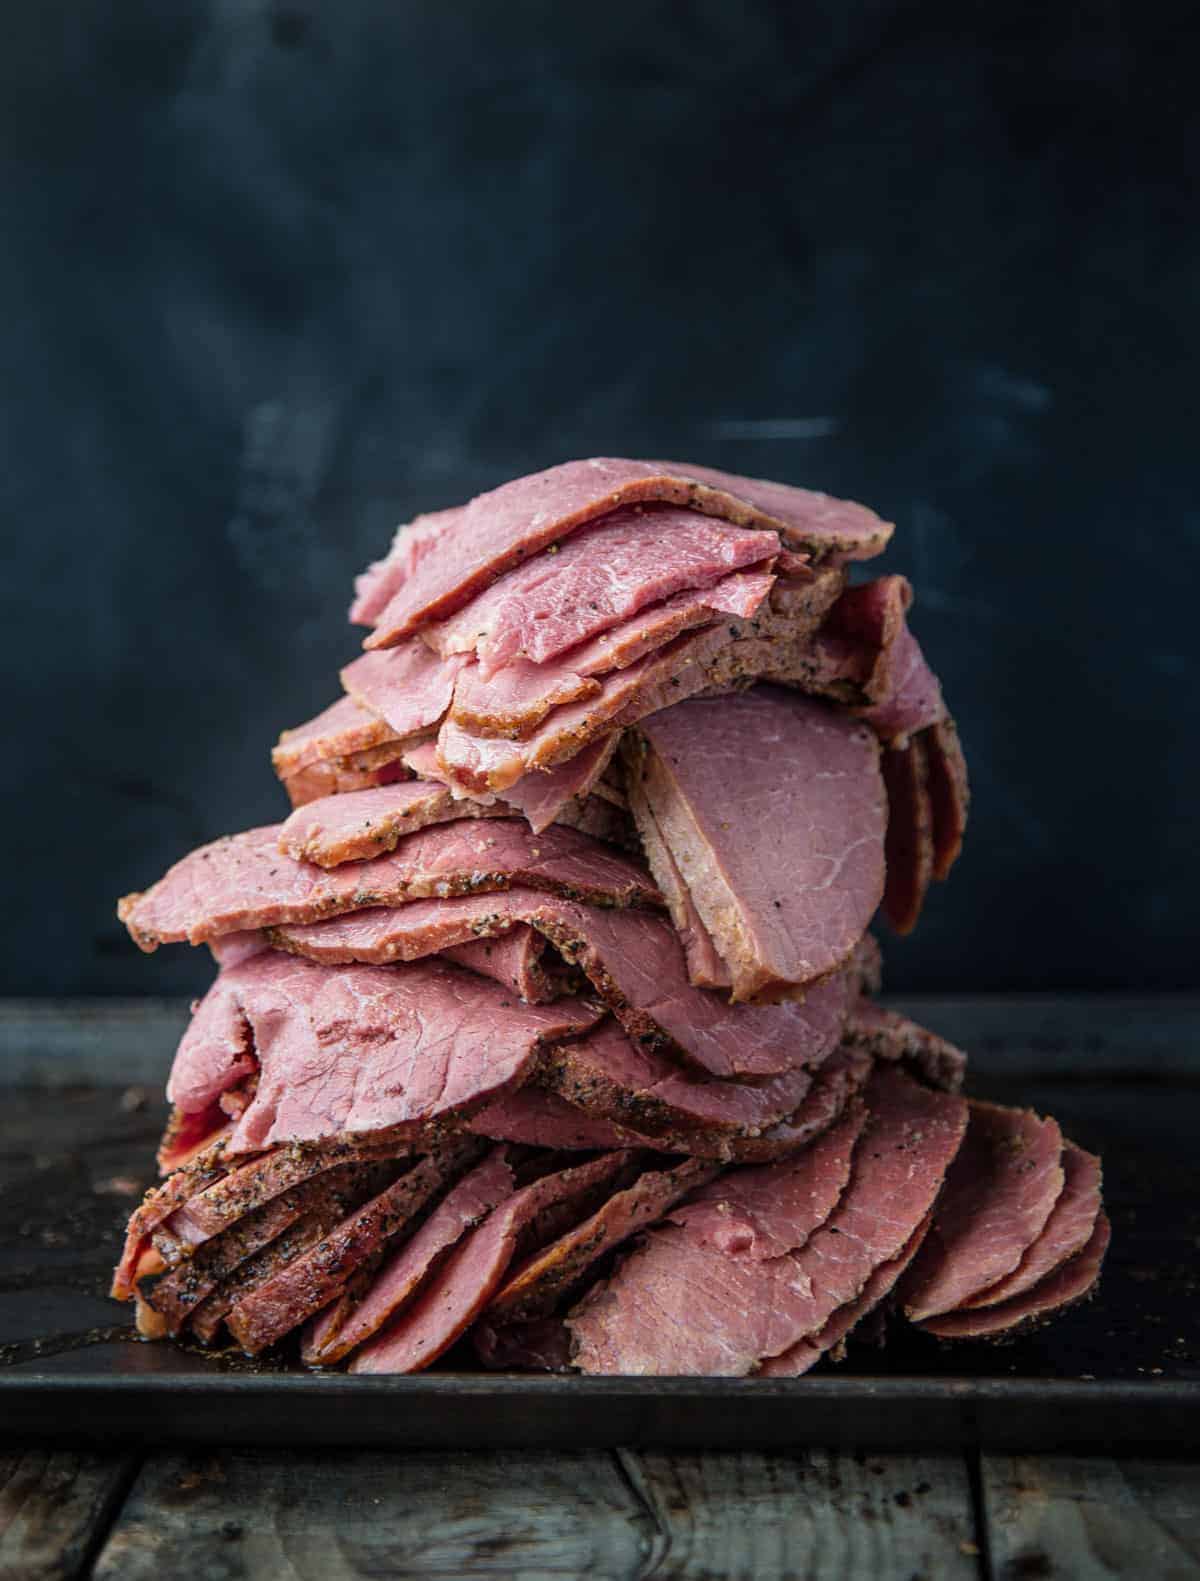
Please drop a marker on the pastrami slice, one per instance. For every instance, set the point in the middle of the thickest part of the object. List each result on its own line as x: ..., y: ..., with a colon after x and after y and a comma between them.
x: 909, y: 848
x: 312, y: 1280
x: 1074, y: 1281
x: 914, y: 700
x: 634, y: 961
x: 534, y: 1117
x: 998, y: 1195
x: 401, y: 1274
x: 1065, y: 1234
x: 179, y: 1292
x: 705, y: 967
x: 607, y: 1073
x: 246, y: 1187
x: 604, y: 575
x: 339, y: 731
x: 408, y: 687
x: 537, y: 1286
x: 949, y: 793
x: 515, y: 960
x: 450, y: 1300
x: 680, y: 1306
x: 787, y: 873
x: 500, y: 529
x: 242, y: 882
x: 807, y: 1352
x: 360, y: 1051
x: 375, y: 587
x: 362, y: 824
x: 888, y: 1035
x: 768, y: 1211
x: 544, y: 797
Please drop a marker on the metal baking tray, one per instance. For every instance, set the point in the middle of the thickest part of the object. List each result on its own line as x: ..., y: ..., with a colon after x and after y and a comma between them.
x: 79, y: 1116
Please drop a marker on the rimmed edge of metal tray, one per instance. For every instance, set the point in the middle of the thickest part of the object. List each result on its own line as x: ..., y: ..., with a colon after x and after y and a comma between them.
x: 462, y: 1410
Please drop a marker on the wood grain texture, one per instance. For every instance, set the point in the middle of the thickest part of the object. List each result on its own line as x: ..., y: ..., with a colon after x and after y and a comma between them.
x: 1060, y: 1517
x: 54, y: 1507
x: 329, y: 1516
x: 754, y: 1517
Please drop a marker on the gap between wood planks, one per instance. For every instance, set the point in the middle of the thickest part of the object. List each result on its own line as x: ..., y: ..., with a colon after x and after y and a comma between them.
x: 624, y: 1514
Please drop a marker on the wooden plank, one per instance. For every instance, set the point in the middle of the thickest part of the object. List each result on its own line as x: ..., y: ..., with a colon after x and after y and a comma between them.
x: 54, y: 1507
x: 816, y: 1515
x: 132, y: 1040
x: 333, y: 1515
x: 1082, y: 1518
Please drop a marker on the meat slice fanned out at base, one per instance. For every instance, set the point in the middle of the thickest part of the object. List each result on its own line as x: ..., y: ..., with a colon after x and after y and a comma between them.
x: 687, y: 1299
x: 178, y: 1293
x: 206, y: 1319
x: 408, y: 687
x: 313, y: 1279
x: 247, y: 1187
x: 544, y: 1279
x: 1065, y: 1234
x: 462, y: 1286
x: 1074, y: 1281
x: 949, y: 793
x: 773, y: 809
x: 998, y: 1195
x: 807, y: 1352
x: 243, y: 882
x: 887, y: 1035
x: 766, y: 1212
x: 498, y: 530
x: 336, y: 1332
x: 158, y: 1205
x: 367, y: 823
x: 360, y: 1050
x: 603, y: 576
x: 909, y: 843
x: 680, y: 1306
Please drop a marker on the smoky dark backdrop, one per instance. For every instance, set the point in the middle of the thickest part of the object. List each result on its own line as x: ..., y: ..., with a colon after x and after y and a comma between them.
x: 277, y: 277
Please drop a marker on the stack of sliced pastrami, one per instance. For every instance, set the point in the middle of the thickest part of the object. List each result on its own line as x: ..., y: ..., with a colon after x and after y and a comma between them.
x: 546, y: 1018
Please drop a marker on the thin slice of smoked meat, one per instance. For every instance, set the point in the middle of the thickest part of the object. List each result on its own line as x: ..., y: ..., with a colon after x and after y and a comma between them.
x: 999, y: 1193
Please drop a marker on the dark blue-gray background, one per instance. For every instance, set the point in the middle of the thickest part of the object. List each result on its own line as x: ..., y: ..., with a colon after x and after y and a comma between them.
x: 275, y: 278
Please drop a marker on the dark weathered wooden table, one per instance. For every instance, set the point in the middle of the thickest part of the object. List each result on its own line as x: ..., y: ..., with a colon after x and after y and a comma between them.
x: 79, y: 1114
